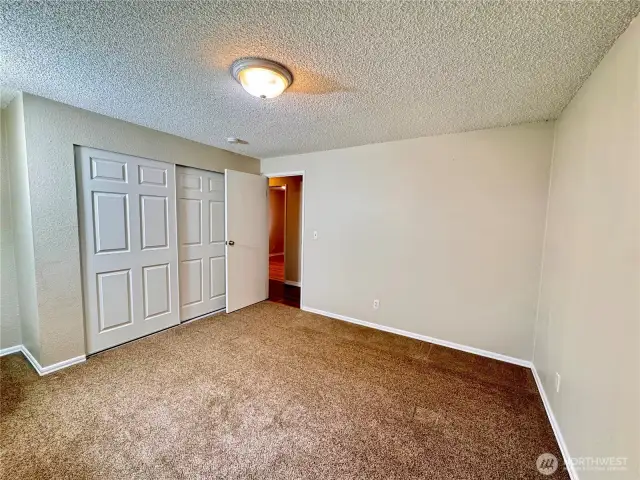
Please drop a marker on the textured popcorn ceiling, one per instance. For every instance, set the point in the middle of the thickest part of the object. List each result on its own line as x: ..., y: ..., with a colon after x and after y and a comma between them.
x: 364, y: 72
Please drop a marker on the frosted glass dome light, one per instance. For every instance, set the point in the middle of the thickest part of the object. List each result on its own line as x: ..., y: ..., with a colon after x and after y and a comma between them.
x: 261, y: 78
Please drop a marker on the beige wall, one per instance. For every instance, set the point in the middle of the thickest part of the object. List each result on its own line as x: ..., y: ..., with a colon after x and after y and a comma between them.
x: 51, y: 131
x: 294, y: 223
x: 589, y: 316
x: 21, y: 215
x: 446, y: 231
x: 10, y: 334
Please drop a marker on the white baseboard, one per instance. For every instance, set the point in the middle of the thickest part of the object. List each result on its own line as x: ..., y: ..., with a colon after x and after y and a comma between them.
x: 36, y: 365
x: 555, y: 426
x: 292, y: 283
x: 275, y: 254
x: 10, y: 350
x: 424, y: 338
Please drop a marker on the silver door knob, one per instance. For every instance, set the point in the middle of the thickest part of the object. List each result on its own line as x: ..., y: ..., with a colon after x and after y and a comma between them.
x: 231, y: 243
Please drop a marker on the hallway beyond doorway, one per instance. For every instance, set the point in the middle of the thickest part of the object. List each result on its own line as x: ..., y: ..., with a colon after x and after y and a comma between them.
x: 280, y: 292
x: 276, y: 268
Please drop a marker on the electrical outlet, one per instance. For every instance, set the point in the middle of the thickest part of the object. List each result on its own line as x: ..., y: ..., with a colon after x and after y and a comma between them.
x: 376, y: 304
x: 557, y: 382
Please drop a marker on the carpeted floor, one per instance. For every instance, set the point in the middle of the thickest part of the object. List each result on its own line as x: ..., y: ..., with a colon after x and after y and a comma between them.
x: 273, y: 392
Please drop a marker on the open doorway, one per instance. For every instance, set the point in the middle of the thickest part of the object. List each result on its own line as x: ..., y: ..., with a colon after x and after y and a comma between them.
x: 277, y: 230
x: 285, y: 239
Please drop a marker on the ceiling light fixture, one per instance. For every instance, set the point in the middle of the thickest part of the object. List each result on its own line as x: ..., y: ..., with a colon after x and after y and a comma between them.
x: 261, y: 78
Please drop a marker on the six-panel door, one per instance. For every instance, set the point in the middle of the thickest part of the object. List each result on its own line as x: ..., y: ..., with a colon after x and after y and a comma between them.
x: 201, y: 241
x: 247, y: 214
x: 129, y: 246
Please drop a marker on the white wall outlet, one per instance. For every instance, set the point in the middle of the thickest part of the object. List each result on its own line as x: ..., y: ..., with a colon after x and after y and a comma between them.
x: 376, y: 304
x: 315, y: 234
x: 557, y: 382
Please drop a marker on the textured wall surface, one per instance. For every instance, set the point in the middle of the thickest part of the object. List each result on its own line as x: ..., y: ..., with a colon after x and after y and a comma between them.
x: 445, y: 231
x: 589, y: 316
x: 364, y: 71
x: 10, y: 334
x: 22, y: 225
x: 52, y: 129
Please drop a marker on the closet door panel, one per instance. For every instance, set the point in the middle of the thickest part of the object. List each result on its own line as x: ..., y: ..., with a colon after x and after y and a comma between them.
x: 129, y: 246
x: 201, y: 241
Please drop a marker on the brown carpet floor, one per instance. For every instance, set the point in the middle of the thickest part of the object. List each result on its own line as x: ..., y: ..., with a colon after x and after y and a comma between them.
x: 273, y: 392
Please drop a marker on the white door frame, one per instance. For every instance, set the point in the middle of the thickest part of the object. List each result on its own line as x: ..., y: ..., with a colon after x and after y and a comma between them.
x: 298, y: 173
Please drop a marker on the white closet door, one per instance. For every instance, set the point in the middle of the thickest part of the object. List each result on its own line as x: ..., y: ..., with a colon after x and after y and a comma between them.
x: 129, y: 246
x: 247, y: 214
x: 201, y: 241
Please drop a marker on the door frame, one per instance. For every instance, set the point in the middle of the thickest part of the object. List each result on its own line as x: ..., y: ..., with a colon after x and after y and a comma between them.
x: 296, y: 173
